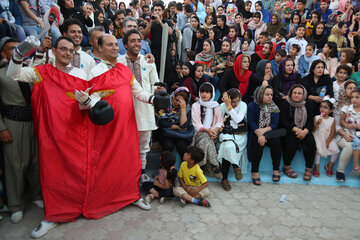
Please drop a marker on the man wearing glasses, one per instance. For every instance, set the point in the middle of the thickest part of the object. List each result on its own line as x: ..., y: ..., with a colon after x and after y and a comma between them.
x: 63, y: 52
x: 128, y: 24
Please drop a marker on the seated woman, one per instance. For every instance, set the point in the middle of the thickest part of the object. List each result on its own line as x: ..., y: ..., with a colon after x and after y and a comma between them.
x: 286, y: 78
x: 194, y: 82
x: 235, y: 40
x: 318, y: 84
x: 344, y: 139
x: 206, y: 56
x: 237, y: 77
x: 257, y: 25
x: 306, y: 60
x: 233, y: 139
x: 207, y: 121
x: 261, y: 77
x: 222, y: 61
x: 296, y: 116
x: 178, y: 118
x: 268, y: 52
x: 337, y: 35
x: 318, y: 37
x: 263, y: 116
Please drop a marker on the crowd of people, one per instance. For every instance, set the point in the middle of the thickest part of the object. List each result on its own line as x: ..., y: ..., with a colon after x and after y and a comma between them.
x: 242, y: 76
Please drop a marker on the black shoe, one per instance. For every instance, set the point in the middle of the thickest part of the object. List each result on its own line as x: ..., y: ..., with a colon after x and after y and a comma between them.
x: 276, y: 178
x: 340, y: 177
x: 256, y: 181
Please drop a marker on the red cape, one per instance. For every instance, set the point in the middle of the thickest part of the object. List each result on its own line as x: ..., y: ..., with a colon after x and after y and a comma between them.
x: 85, y: 168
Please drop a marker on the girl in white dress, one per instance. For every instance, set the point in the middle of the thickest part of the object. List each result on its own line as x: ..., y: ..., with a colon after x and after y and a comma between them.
x: 324, y: 131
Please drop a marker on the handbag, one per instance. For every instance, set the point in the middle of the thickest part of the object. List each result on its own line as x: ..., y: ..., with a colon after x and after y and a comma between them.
x: 281, y: 132
x: 179, y: 134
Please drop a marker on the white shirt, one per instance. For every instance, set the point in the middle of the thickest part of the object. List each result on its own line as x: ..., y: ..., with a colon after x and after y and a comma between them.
x: 144, y: 112
x: 302, y: 43
x: 28, y: 74
x: 137, y: 91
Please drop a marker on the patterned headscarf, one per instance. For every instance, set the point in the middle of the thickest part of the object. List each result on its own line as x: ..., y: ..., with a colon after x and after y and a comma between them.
x: 265, y: 109
x: 343, y: 99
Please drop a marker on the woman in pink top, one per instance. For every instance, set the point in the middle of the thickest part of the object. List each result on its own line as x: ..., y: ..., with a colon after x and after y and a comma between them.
x: 207, y: 120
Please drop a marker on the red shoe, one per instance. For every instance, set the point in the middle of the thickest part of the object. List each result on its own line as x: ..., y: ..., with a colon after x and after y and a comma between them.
x: 316, y: 174
x: 329, y: 172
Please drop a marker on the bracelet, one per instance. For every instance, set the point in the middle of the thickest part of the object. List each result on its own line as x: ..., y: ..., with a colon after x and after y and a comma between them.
x: 229, y: 107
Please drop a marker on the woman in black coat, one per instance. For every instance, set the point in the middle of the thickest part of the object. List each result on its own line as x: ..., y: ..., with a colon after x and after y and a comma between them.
x: 315, y: 82
x: 296, y: 116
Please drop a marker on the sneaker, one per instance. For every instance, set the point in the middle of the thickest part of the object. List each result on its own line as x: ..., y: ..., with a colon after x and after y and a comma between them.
x: 1, y: 218
x: 144, y: 178
x: 203, y: 202
x: 16, y: 217
x: 43, y: 228
x: 38, y: 203
x: 182, y: 202
x: 149, y: 198
x: 141, y: 203
x: 340, y: 177
x: 162, y: 200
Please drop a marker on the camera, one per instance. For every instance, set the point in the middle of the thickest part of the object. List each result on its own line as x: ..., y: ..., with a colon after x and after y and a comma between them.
x: 153, y: 18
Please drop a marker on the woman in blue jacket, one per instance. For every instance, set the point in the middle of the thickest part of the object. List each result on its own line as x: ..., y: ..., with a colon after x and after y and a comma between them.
x: 263, y: 116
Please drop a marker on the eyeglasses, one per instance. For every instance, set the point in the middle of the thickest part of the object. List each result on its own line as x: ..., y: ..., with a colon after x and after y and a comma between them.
x: 65, y: 49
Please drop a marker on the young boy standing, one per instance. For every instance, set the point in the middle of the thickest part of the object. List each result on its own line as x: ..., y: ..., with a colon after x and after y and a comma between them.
x: 298, y: 39
x: 193, y: 183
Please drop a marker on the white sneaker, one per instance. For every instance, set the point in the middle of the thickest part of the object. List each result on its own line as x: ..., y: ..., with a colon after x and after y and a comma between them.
x: 16, y: 217
x: 43, y: 228
x: 141, y: 203
x: 144, y: 178
x: 162, y: 200
x: 38, y: 203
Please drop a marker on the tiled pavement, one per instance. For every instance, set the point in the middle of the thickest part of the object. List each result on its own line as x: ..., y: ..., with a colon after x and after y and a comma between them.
x: 246, y: 212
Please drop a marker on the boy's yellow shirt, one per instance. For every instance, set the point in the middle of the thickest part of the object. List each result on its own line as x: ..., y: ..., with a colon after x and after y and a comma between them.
x: 192, y: 176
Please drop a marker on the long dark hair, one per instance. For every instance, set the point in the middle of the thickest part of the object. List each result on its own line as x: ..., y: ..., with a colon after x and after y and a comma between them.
x: 313, y: 65
x: 333, y: 47
x: 167, y: 161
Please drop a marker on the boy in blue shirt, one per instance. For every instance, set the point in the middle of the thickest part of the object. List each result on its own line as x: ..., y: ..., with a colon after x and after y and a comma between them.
x: 193, y: 183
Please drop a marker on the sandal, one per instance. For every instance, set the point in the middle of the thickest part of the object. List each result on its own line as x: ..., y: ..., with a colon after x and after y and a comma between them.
x: 276, y: 178
x: 289, y: 172
x: 316, y: 174
x: 307, y: 174
x: 256, y: 181
x: 216, y: 171
x: 329, y: 172
x: 238, y: 174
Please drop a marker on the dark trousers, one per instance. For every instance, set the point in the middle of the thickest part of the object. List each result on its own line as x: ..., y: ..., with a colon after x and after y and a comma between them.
x: 257, y: 152
x: 162, y: 192
x: 291, y: 144
x: 225, y: 167
x: 181, y: 145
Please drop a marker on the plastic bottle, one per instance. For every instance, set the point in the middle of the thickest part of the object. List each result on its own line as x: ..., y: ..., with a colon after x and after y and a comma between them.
x: 323, y: 92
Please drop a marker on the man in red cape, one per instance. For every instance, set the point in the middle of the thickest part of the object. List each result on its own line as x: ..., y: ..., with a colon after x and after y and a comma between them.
x: 84, y: 168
